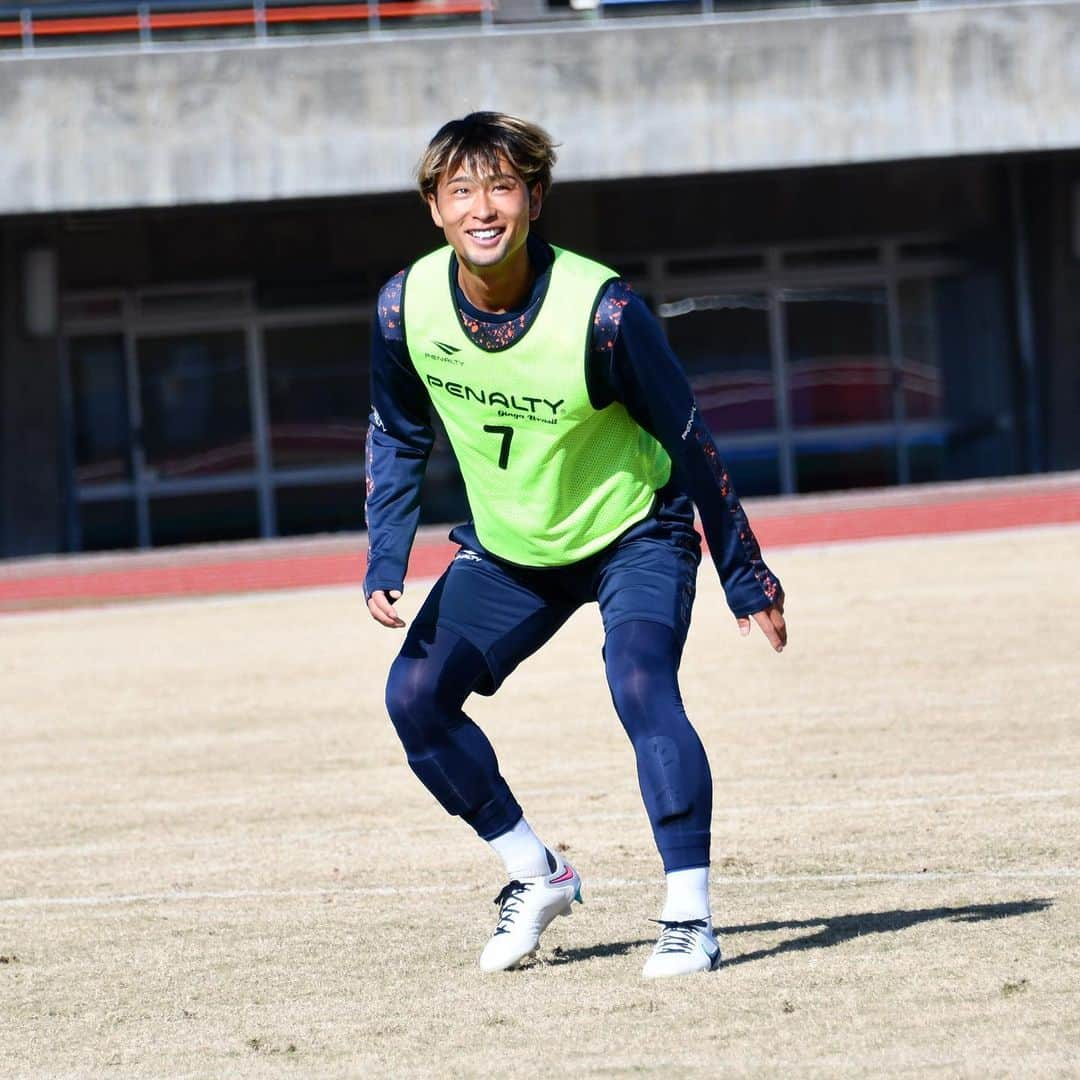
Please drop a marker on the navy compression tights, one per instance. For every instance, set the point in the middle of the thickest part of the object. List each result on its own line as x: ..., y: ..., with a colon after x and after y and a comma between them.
x: 430, y: 680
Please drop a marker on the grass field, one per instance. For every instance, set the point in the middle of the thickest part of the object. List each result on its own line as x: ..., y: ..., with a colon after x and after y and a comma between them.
x: 214, y: 863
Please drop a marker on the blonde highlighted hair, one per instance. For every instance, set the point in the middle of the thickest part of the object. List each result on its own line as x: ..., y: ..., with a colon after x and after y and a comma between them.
x: 479, y: 142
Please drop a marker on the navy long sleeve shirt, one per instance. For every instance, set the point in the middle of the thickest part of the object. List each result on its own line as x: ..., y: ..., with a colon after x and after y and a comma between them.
x: 629, y: 362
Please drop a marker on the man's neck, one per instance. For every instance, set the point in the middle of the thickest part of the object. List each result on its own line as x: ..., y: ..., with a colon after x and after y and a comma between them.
x: 498, y: 289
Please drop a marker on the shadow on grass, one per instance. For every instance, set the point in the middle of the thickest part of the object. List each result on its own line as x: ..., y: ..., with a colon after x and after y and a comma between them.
x: 841, y: 928
x: 833, y: 930
x: 611, y: 948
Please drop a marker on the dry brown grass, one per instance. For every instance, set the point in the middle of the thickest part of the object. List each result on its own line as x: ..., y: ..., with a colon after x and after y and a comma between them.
x: 214, y: 863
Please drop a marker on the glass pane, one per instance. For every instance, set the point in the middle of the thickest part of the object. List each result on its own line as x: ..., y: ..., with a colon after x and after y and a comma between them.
x: 753, y: 471
x: 921, y: 358
x: 193, y: 519
x: 106, y: 526
x: 971, y: 336
x: 316, y: 380
x: 100, y: 407
x: 723, y: 343
x: 926, y: 458
x: 320, y: 508
x: 838, y: 357
x: 196, y: 413
x: 835, y: 468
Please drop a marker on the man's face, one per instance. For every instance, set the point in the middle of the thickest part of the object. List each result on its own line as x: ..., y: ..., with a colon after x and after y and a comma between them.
x: 485, y: 218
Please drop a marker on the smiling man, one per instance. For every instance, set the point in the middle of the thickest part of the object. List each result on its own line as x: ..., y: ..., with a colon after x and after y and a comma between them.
x: 583, y: 454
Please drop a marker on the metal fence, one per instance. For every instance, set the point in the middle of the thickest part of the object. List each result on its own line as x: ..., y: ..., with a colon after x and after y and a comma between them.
x: 89, y: 23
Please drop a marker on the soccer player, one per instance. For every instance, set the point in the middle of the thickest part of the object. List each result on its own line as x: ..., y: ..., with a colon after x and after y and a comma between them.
x: 583, y: 454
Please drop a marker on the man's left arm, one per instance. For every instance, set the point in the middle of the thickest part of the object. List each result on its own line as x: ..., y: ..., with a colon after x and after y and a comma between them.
x: 646, y: 376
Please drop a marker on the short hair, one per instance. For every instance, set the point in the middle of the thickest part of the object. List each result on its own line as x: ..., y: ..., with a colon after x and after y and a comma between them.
x: 478, y: 141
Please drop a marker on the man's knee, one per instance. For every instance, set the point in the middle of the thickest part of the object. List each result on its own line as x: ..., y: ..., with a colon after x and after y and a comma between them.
x: 412, y: 701
x: 640, y: 686
x: 630, y: 691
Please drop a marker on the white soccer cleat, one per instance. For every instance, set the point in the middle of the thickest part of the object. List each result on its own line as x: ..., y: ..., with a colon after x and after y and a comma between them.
x: 526, y: 908
x: 682, y: 949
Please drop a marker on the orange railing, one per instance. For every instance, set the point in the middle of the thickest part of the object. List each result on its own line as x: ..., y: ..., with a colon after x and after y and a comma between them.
x: 144, y: 22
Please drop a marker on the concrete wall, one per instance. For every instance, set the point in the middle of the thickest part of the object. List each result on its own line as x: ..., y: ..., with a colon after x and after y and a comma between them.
x: 330, y: 117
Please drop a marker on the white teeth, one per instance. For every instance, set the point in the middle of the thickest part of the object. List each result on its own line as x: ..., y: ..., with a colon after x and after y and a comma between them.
x: 484, y: 234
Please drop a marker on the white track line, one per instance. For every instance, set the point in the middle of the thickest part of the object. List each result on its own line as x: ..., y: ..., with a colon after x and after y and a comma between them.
x: 912, y: 800
x: 721, y: 812
x: 345, y: 891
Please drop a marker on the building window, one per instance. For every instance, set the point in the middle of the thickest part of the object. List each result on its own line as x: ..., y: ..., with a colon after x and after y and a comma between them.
x: 196, y: 410
x: 819, y: 374
x: 199, y: 415
x: 316, y: 385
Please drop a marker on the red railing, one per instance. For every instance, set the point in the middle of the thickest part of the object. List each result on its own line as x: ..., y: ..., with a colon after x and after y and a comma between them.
x: 144, y: 22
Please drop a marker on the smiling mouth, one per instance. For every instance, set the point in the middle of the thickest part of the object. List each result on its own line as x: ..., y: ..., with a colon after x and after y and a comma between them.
x: 485, y: 234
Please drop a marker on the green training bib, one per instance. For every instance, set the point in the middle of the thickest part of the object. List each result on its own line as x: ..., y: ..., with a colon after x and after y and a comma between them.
x: 550, y: 480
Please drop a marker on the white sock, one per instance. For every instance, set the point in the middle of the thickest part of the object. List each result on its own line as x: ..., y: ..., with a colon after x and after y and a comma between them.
x: 522, y: 852
x: 687, y: 896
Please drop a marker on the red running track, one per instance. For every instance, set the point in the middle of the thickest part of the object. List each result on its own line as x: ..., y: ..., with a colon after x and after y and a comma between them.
x: 79, y: 581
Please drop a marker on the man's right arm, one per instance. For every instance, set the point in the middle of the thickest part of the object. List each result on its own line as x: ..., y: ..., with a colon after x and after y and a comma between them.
x: 399, y: 441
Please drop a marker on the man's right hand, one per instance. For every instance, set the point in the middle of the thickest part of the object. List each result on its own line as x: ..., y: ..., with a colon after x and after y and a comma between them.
x: 381, y: 605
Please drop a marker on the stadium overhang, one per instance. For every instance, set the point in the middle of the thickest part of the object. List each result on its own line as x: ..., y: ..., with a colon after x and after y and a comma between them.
x: 226, y: 123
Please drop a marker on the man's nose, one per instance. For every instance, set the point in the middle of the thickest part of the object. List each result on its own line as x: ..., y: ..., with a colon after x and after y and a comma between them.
x: 482, y: 207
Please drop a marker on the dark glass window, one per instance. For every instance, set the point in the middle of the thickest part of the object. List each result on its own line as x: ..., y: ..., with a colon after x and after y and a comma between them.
x: 320, y: 508
x: 926, y: 458
x: 107, y: 525
x: 921, y: 380
x: 723, y: 343
x: 974, y: 342
x: 317, y: 385
x: 207, y: 516
x: 195, y: 403
x: 754, y: 471
x: 839, y: 370
x: 834, y: 468
x: 100, y: 409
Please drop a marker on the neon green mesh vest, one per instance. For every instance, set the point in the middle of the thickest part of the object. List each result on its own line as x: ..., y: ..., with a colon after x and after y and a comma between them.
x: 550, y: 480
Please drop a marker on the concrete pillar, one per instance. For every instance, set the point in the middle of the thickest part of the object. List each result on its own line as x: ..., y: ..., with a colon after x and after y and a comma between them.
x: 31, y: 427
x: 1052, y: 191
x: 1062, y: 392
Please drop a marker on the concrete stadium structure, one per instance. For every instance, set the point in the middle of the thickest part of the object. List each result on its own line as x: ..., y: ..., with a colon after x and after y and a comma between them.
x: 861, y: 227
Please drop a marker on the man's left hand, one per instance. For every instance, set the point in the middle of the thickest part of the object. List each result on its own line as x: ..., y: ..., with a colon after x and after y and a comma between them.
x: 772, y: 624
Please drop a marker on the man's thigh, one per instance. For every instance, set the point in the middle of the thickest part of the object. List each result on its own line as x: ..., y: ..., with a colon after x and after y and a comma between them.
x: 505, y: 614
x: 650, y: 579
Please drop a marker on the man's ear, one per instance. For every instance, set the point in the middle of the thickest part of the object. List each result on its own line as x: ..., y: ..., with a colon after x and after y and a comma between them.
x: 536, y: 201
x: 433, y: 206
